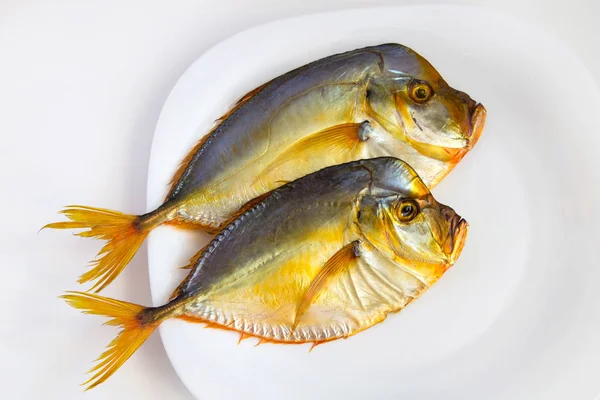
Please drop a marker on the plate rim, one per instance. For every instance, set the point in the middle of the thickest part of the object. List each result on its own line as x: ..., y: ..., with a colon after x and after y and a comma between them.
x: 549, y: 39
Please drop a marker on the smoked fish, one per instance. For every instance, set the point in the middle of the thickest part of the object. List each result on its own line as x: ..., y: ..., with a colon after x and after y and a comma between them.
x: 377, y: 101
x: 319, y: 259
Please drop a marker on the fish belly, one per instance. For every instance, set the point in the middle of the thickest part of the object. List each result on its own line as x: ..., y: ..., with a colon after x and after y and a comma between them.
x: 356, y: 299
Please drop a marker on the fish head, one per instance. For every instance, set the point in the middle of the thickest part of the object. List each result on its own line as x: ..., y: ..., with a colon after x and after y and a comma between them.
x: 414, y: 102
x: 401, y: 218
x: 433, y: 114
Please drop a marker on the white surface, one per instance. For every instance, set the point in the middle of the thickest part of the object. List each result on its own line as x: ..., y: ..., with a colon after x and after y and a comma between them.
x: 512, y: 189
x: 81, y: 87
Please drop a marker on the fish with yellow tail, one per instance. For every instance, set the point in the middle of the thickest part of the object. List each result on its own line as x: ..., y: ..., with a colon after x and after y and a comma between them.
x: 319, y: 259
x: 383, y: 100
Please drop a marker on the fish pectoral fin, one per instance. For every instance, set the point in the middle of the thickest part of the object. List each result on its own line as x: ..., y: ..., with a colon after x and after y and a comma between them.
x: 332, y: 140
x: 444, y: 154
x: 337, y: 264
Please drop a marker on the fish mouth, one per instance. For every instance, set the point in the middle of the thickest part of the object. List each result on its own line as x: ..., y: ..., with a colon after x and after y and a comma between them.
x: 477, y: 122
x: 456, y: 239
x: 455, y: 154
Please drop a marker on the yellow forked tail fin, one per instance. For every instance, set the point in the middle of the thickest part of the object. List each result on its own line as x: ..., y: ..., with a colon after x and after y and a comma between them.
x: 124, y: 233
x: 137, y: 326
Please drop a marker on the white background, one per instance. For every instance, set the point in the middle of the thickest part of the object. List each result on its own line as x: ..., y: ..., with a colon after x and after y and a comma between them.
x: 81, y: 87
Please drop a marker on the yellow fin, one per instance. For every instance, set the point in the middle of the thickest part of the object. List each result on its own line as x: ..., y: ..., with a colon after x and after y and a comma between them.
x: 177, y: 290
x: 185, y: 162
x: 333, y: 140
x: 339, y: 262
x: 189, y: 266
x: 136, y: 329
x: 245, y: 98
x: 194, y: 259
x: 243, y: 336
x: 123, y: 232
x: 444, y: 154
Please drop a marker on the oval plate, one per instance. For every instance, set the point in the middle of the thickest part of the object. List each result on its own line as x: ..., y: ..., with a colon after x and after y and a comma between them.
x: 518, y: 315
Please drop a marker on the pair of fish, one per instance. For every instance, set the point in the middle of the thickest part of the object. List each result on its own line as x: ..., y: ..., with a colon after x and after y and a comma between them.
x: 329, y: 253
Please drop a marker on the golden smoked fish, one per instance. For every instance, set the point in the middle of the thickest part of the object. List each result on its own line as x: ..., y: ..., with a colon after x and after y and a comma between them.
x: 377, y: 101
x: 319, y: 259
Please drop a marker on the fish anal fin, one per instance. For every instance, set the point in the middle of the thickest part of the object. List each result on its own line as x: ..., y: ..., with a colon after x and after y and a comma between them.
x: 338, y: 263
x: 243, y: 336
x: 332, y: 140
x: 315, y: 344
x: 246, y: 335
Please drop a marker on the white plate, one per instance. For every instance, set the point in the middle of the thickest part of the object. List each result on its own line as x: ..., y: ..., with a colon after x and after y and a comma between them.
x: 518, y: 315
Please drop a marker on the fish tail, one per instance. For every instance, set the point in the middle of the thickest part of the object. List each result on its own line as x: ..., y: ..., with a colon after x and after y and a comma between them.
x: 124, y: 235
x: 138, y: 323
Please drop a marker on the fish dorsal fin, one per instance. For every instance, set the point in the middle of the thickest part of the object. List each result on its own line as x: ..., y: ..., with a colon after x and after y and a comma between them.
x: 177, y: 290
x: 188, y: 158
x: 250, y: 95
x: 190, y: 265
x: 194, y: 260
x: 243, y: 100
x: 337, y: 264
x: 330, y: 141
x: 186, y: 162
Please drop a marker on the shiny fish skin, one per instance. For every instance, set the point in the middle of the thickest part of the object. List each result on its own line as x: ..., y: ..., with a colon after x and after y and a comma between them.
x: 319, y: 259
x: 378, y: 101
x: 268, y: 254
x: 229, y: 168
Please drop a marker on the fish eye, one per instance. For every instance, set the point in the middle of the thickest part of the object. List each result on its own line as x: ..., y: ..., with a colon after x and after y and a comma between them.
x: 407, y: 210
x: 420, y: 92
